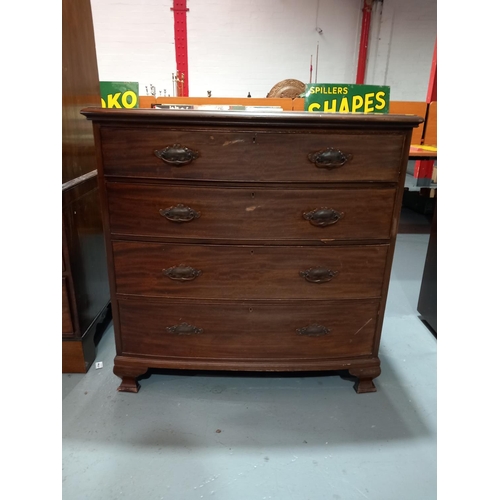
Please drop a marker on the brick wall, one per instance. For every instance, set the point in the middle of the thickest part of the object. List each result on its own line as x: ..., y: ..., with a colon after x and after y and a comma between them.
x: 236, y: 46
x: 403, y: 34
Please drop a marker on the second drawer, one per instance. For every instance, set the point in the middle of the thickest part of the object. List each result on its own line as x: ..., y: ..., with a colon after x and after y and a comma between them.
x: 244, y: 214
x: 249, y: 272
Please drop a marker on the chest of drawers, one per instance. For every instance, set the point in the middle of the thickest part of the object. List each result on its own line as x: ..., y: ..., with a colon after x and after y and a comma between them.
x: 243, y: 241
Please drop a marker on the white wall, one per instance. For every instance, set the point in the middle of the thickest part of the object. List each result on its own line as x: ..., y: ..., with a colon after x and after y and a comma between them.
x: 236, y: 46
x: 403, y: 35
x: 135, y: 42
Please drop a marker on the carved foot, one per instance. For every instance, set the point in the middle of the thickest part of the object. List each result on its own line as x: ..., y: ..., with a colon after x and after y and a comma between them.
x: 365, y: 376
x: 129, y: 377
x: 129, y: 384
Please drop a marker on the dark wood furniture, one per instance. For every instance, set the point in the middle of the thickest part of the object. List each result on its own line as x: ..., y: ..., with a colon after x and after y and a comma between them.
x: 249, y: 241
x: 85, y: 289
x: 427, y: 299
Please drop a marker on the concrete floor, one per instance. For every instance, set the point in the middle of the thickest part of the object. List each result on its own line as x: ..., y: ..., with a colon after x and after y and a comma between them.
x: 190, y: 436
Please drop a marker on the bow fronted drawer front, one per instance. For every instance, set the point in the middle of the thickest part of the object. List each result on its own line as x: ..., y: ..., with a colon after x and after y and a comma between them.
x: 250, y: 330
x: 248, y: 272
x: 246, y: 214
x: 251, y: 156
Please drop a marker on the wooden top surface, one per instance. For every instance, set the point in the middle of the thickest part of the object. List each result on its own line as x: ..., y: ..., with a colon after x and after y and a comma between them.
x: 245, y: 118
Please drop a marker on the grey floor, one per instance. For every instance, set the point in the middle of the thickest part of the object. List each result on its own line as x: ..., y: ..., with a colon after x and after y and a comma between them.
x: 236, y: 437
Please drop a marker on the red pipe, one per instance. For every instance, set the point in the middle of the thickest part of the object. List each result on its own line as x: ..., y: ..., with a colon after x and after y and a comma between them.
x: 181, y: 52
x: 432, y: 89
x: 363, y: 42
x: 424, y: 168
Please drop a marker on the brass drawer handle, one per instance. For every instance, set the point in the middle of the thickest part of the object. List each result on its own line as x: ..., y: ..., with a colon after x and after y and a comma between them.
x: 313, y: 330
x: 182, y: 273
x: 180, y: 213
x: 323, y: 216
x: 184, y: 329
x: 329, y: 158
x: 177, y: 155
x: 318, y: 275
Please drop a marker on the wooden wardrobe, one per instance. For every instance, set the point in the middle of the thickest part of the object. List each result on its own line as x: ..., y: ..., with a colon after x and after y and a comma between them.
x: 85, y: 290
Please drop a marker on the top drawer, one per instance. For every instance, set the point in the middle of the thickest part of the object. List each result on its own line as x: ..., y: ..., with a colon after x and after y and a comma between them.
x: 256, y: 156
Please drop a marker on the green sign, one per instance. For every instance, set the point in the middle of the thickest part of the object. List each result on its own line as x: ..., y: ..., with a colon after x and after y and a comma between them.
x: 120, y: 94
x: 342, y: 98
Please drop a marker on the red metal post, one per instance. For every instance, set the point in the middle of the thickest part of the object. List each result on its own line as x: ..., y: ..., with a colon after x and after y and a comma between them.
x: 432, y: 90
x: 424, y: 168
x: 181, y: 53
x: 363, y: 42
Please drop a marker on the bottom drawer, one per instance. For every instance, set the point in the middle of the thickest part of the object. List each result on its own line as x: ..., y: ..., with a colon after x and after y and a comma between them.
x: 248, y: 330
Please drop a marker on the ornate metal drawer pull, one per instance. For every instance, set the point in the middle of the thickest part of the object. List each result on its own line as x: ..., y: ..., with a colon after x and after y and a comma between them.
x: 313, y: 330
x: 180, y: 213
x: 323, y: 216
x: 329, y: 158
x: 318, y: 275
x: 177, y: 155
x: 182, y: 273
x: 184, y: 329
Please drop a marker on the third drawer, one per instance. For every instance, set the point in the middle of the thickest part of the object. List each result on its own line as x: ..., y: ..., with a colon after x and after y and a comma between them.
x: 249, y: 272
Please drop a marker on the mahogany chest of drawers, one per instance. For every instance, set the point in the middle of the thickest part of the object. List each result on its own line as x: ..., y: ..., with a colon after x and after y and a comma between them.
x: 249, y: 241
